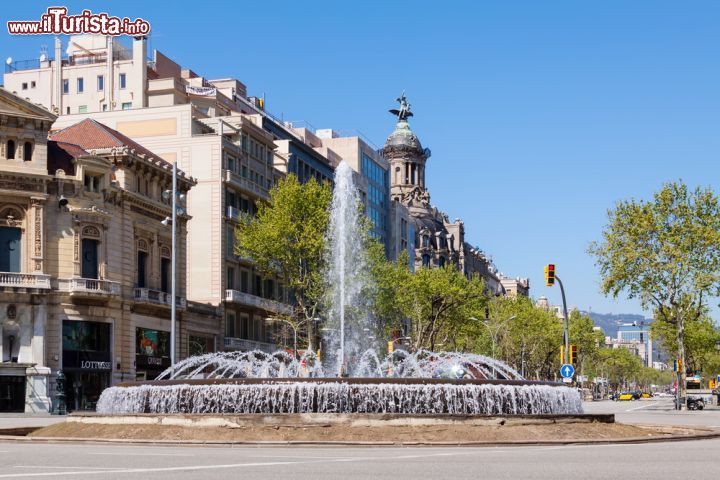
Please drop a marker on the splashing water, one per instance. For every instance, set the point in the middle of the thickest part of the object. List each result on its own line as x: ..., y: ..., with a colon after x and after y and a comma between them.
x: 346, y: 276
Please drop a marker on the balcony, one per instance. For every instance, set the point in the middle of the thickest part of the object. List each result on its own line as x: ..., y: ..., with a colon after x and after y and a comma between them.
x: 244, y: 345
x: 232, y: 212
x: 156, y: 297
x: 235, y: 296
x: 245, y: 184
x: 88, y: 287
x: 24, y: 280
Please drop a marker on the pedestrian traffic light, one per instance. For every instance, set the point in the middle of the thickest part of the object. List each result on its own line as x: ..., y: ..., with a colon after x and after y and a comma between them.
x: 550, y: 275
x: 573, y: 354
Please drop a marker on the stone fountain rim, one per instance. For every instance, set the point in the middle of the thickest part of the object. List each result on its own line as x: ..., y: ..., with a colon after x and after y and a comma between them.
x: 342, y: 380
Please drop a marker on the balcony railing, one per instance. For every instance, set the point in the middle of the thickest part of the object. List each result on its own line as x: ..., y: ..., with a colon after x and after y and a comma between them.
x: 24, y: 280
x: 242, y: 344
x: 157, y: 297
x: 233, y: 212
x: 246, y: 184
x: 236, y: 296
x: 88, y: 286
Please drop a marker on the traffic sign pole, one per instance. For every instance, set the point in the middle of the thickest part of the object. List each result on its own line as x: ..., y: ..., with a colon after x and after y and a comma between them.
x: 566, y: 355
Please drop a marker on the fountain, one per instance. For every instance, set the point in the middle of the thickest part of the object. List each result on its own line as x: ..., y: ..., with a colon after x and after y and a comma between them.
x: 353, y: 379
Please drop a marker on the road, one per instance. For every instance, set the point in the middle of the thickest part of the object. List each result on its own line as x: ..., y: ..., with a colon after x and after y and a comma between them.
x: 655, y: 411
x: 660, y: 460
x: 655, y: 460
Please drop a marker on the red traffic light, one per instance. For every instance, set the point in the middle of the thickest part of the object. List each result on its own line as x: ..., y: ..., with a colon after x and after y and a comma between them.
x: 551, y: 266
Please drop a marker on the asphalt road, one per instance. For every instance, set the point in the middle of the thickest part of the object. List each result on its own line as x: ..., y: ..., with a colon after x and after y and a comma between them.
x: 659, y: 460
x: 652, y: 461
x: 655, y: 411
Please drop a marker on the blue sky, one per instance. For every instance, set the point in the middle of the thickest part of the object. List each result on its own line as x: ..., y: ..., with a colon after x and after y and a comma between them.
x: 540, y: 114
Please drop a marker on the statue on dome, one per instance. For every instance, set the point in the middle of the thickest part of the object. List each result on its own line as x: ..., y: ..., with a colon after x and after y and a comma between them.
x: 404, y: 111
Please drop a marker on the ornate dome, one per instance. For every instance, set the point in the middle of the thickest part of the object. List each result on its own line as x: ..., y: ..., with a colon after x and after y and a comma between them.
x: 402, y: 136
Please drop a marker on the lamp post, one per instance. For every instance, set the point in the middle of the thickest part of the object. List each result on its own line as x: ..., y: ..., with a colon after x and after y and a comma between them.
x: 172, y: 221
x: 493, y: 335
x: 294, y: 329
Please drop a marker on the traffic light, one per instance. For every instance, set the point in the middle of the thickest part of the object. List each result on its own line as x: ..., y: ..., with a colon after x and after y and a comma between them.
x: 391, y: 346
x: 550, y: 275
x: 562, y: 354
x: 573, y: 354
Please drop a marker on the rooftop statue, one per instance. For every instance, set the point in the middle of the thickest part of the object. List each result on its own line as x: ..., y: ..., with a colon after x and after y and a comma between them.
x: 404, y: 112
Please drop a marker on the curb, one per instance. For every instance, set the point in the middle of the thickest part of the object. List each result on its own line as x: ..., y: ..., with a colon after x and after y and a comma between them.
x: 341, y: 443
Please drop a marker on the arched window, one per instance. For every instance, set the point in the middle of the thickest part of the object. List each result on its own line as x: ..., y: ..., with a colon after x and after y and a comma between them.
x: 426, y: 260
x: 10, y: 149
x: 27, y: 151
x: 425, y: 241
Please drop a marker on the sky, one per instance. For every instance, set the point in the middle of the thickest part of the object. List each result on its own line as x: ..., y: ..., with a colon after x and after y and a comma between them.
x: 540, y: 114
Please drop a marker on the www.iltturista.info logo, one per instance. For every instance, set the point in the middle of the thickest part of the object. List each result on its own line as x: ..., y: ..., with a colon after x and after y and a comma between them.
x: 56, y: 21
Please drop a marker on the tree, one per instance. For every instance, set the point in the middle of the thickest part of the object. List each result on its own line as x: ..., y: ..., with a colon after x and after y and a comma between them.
x: 586, y: 338
x: 666, y: 253
x: 438, y: 302
x: 286, y: 239
x: 701, y: 337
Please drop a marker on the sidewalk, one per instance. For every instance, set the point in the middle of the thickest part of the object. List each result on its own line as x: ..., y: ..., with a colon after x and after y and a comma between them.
x: 15, y: 420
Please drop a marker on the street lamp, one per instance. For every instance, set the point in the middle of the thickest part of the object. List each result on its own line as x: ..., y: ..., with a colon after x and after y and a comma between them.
x: 493, y: 335
x: 172, y: 222
x: 294, y: 329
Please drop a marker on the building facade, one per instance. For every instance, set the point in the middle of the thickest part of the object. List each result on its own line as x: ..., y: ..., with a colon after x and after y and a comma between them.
x: 85, y: 281
x: 437, y: 241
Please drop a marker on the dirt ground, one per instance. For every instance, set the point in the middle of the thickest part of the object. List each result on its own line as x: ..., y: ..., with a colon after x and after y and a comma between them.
x: 396, y: 434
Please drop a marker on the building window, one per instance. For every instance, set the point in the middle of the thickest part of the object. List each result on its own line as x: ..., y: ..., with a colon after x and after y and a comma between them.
x: 82, y: 109
x: 32, y: 84
x: 92, y: 183
x: 89, y: 267
x: 27, y: 151
x: 24, y: 86
x: 426, y: 260
x: 230, y: 325
x: 244, y: 281
x: 244, y: 326
x: 165, y: 271
x: 122, y: 80
x: 104, y: 107
x: 441, y: 261
x: 67, y: 110
x: 66, y: 86
x: 231, y: 163
x: 80, y: 85
x: 10, y: 249
x: 127, y: 105
x: 231, y: 278
x: 142, y: 269
x: 100, y: 83
x: 10, y: 149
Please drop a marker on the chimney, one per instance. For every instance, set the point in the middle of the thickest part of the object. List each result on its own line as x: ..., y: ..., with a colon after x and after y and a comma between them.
x: 138, y: 78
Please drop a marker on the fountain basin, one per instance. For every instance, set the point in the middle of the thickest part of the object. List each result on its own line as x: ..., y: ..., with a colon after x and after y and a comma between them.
x: 412, y: 396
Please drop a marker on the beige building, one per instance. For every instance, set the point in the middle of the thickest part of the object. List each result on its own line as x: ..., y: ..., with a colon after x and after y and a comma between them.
x: 232, y: 159
x: 85, y: 282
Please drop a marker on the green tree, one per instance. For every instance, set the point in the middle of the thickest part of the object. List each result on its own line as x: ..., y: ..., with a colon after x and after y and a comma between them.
x: 701, y: 337
x: 286, y: 239
x: 586, y: 338
x: 438, y: 302
x: 666, y: 253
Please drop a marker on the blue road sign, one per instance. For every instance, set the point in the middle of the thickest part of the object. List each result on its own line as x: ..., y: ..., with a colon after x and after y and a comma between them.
x: 567, y: 371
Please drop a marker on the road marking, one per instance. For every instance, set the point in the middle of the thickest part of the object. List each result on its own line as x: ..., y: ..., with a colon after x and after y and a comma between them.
x: 642, y: 406
x: 235, y: 465
x: 49, y: 466
x: 143, y: 454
